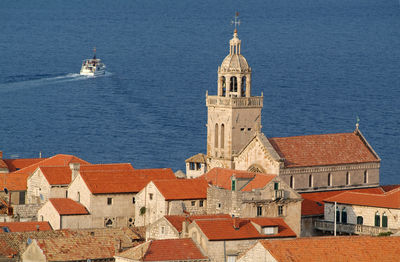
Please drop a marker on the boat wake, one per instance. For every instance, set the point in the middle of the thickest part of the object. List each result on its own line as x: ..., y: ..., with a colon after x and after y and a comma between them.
x: 23, y: 81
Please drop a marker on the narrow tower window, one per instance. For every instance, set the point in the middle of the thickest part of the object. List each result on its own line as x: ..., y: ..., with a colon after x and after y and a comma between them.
x: 223, y: 86
x: 329, y: 179
x: 222, y: 135
x: 233, y: 84
x: 365, y: 176
x: 310, y: 181
x: 347, y: 178
x: 216, y: 136
x: 243, y: 87
x: 291, y: 182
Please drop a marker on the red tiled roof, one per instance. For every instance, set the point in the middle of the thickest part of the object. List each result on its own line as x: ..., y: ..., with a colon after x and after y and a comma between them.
x: 388, y: 188
x: 26, y: 226
x: 13, y: 182
x: 76, y: 248
x: 221, y: 177
x: 183, y: 249
x: 66, y: 206
x: 57, y: 160
x: 16, y: 164
x: 176, y: 220
x: 60, y: 175
x: 321, y: 150
x: 3, y: 164
x: 390, y: 199
x: 107, y: 167
x: 182, y: 188
x: 223, y: 229
x: 132, y: 181
x: 333, y: 249
x: 6, y: 250
x: 313, y: 202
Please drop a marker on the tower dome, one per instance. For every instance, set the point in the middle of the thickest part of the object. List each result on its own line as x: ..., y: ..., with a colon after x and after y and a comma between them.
x: 235, y: 61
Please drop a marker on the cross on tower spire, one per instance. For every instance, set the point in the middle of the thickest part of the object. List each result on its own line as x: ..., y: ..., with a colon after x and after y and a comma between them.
x: 237, y: 21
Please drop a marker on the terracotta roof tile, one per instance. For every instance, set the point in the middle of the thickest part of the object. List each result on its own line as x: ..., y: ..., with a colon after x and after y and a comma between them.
x: 390, y: 199
x: 313, y: 202
x: 6, y: 250
x: 13, y: 182
x: 132, y: 181
x: 174, y: 189
x: 176, y: 220
x: 26, y: 226
x: 223, y: 229
x: 221, y: 177
x: 107, y: 167
x: 17, y: 164
x: 3, y: 164
x: 199, y: 158
x: 60, y: 175
x: 321, y: 150
x: 333, y: 249
x: 76, y: 248
x: 165, y: 250
x: 388, y: 188
x: 66, y: 206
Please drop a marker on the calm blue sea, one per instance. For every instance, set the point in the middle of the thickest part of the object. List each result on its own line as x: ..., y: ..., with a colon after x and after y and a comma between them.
x: 319, y: 63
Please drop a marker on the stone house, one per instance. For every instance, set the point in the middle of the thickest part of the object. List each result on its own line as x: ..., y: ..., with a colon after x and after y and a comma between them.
x: 64, y: 213
x: 246, y: 194
x: 312, y: 207
x: 175, y: 226
x: 329, y: 249
x: 223, y: 239
x: 306, y: 163
x: 362, y: 213
x: 164, y: 250
x: 196, y: 166
x: 110, y: 195
x: 170, y: 197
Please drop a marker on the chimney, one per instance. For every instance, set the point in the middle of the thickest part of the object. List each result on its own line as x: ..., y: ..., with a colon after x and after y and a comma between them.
x: 236, y: 222
x: 1, y: 154
x: 74, y: 170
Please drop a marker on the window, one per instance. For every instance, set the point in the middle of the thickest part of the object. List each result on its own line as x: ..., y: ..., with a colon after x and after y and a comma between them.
x: 377, y: 219
x: 162, y: 230
x: 329, y: 179
x: 201, y: 203
x: 243, y: 86
x: 79, y: 197
x: 337, y: 215
x: 347, y: 178
x: 233, y: 87
x: 222, y: 135
x: 365, y: 176
x: 291, y: 182
x: 249, y: 129
x: 150, y: 196
x: 198, y: 166
x: 41, y: 218
x: 276, y: 186
x: 231, y: 258
x: 109, y: 201
x: 22, y: 197
x: 259, y: 211
x: 219, y: 205
x: 193, y: 203
x: 216, y: 136
x: 223, y: 86
x: 268, y: 230
x: 233, y: 185
x: 191, y: 166
x: 310, y: 181
x: 384, y: 220
x: 133, y: 200
x: 280, y: 210
x: 360, y: 220
x: 242, y: 129
x: 344, y: 216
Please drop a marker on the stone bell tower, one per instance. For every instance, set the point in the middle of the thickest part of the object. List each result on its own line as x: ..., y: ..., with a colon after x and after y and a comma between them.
x: 233, y: 114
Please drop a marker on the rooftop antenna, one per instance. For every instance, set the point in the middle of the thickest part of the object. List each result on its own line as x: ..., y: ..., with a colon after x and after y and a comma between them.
x: 40, y: 154
x: 357, y: 123
x: 236, y: 22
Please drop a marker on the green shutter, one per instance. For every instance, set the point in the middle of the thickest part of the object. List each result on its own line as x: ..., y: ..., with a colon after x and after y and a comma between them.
x: 377, y: 220
x: 233, y: 185
x: 276, y: 186
x: 384, y: 221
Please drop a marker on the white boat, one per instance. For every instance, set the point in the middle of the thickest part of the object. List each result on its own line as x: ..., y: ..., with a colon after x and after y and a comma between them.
x: 93, y: 67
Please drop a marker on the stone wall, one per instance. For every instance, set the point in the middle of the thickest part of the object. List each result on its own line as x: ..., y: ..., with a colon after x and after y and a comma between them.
x: 308, y: 227
x: 27, y: 212
x: 257, y: 254
x: 38, y: 188
x: 48, y: 213
x: 79, y: 192
x: 76, y: 221
x: 161, y: 229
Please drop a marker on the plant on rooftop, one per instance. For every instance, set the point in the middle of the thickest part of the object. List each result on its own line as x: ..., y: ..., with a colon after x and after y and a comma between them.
x: 384, y: 234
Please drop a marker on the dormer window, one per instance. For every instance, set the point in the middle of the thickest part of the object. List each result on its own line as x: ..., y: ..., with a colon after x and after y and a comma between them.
x: 276, y: 185
x: 270, y: 230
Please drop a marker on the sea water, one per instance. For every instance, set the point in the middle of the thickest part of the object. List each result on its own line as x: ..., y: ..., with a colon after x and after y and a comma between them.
x: 318, y: 63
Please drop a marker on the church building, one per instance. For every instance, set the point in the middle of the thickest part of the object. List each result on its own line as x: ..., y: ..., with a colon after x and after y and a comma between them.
x: 306, y: 163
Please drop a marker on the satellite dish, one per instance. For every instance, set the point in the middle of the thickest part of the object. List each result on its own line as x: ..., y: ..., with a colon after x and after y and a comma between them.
x: 5, y: 190
x: 41, y: 197
x: 29, y: 241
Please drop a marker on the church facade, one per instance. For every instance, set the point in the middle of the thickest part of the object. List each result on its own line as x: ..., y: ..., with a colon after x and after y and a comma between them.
x: 306, y: 163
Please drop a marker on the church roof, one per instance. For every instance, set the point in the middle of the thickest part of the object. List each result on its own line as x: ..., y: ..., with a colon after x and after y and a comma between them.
x: 322, y: 150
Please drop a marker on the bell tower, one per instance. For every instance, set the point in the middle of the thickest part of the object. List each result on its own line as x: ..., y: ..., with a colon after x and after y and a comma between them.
x: 234, y: 116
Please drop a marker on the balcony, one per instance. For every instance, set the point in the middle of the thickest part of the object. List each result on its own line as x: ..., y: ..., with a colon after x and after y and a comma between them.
x: 351, y: 228
x: 235, y: 102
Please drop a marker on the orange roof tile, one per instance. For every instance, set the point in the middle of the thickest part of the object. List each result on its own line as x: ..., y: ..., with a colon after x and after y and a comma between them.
x: 174, y: 189
x: 76, y: 248
x: 177, y: 220
x: 57, y: 160
x: 388, y: 188
x: 13, y: 182
x: 221, y: 177
x: 107, y: 167
x: 66, y: 206
x: 132, y: 181
x: 333, y: 249
x: 313, y: 202
x: 26, y: 226
x: 6, y: 250
x: 3, y: 164
x: 17, y: 164
x: 321, y: 150
x: 183, y: 249
x: 390, y: 199
x: 223, y: 229
x: 60, y: 175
